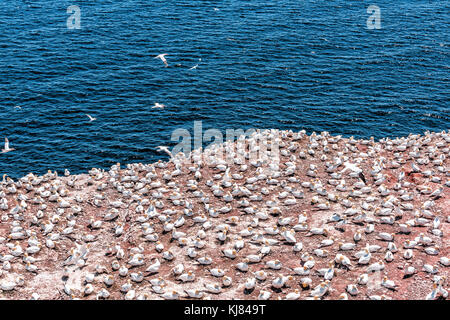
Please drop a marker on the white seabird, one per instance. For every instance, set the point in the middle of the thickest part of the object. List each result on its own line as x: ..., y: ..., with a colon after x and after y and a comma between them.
x: 164, y: 149
x: 7, y: 148
x: 353, y: 167
x: 91, y: 118
x: 162, y: 57
x: 158, y: 106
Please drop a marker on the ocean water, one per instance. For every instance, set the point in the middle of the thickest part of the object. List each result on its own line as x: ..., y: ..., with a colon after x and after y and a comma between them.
x: 288, y: 64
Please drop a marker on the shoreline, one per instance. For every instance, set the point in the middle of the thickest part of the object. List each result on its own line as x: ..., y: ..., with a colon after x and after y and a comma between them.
x: 60, y: 173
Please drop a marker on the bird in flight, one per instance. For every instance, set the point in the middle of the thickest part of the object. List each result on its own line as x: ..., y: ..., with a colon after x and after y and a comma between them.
x: 195, y: 67
x: 158, y: 106
x: 354, y: 168
x: 164, y: 149
x: 351, y: 166
x: 17, y: 107
x: 7, y: 148
x: 162, y: 57
x: 91, y: 118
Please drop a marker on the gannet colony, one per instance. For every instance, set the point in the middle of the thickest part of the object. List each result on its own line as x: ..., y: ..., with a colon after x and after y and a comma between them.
x: 328, y: 218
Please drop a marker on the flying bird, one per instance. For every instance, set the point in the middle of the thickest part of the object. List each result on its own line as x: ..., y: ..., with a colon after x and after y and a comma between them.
x: 158, y: 106
x: 7, y: 148
x: 161, y: 56
x: 353, y: 167
x: 91, y: 118
x: 164, y: 149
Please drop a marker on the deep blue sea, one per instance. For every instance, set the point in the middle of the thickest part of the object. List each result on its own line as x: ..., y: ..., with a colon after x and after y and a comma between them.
x: 289, y: 64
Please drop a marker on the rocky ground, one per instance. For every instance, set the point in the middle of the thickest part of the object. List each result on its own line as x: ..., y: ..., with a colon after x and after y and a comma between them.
x: 159, y: 231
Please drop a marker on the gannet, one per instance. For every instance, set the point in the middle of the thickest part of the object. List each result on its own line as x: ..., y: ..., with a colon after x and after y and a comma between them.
x: 329, y: 273
x: 353, y: 167
x: 187, y: 277
x: 108, y: 280
x: 352, y: 289
x: 7, y: 148
x: 408, y: 254
x: 274, y: 264
x: 164, y: 149
x: 280, y: 281
x: 163, y: 59
x: 343, y: 260
x: 170, y: 295
x: 346, y: 246
x: 264, y: 295
x: 320, y: 290
x: 226, y: 281
x: 293, y: 295
x: 217, y: 272
x: 242, y: 266
x: 389, y: 256
x: 388, y: 283
x: 260, y: 275
x: 7, y: 285
x: 430, y: 268
x: 90, y: 118
x: 158, y: 106
x: 194, y: 293
x: 365, y: 258
x: 213, y: 288
x: 377, y: 266
x: 445, y: 261
x: 363, y: 279
x: 250, y: 283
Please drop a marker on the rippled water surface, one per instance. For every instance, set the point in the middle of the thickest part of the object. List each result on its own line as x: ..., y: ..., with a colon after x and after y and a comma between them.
x: 286, y: 64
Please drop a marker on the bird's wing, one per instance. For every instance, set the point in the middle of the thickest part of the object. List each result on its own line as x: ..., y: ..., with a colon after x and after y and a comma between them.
x: 161, y: 56
x: 163, y: 148
x: 363, y: 178
x: 6, y: 144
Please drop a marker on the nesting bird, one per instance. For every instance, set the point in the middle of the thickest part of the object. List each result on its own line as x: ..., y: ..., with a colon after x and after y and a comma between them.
x: 317, y: 220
